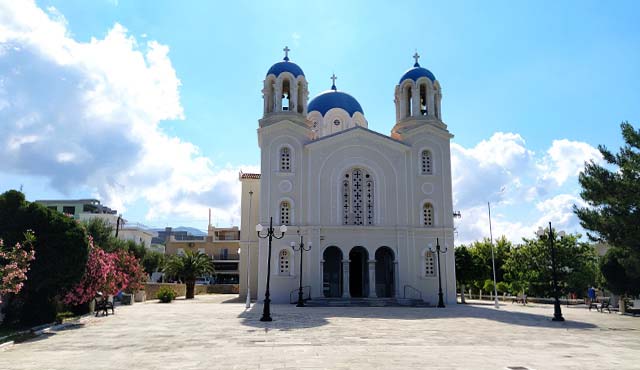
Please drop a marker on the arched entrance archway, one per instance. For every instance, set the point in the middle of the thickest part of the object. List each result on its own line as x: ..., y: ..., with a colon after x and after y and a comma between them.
x: 332, y: 272
x: 358, y: 272
x: 384, y: 272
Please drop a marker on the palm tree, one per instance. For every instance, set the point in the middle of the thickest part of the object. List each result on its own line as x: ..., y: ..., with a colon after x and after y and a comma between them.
x: 188, y: 267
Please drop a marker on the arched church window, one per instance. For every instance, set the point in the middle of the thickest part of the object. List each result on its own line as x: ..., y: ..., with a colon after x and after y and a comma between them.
x: 426, y: 165
x: 283, y: 262
x: 427, y: 214
x: 423, y: 99
x: 285, y: 159
x: 409, y: 100
x: 285, y: 213
x: 358, y: 198
x: 286, y: 95
x: 429, y: 264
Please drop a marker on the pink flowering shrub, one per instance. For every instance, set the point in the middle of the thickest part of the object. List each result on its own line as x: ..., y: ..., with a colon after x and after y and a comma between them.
x: 14, y: 264
x: 107, y: 273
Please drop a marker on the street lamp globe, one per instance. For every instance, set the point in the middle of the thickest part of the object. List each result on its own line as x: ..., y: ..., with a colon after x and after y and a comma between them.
x: 259, y: 228
x: 283, y: 228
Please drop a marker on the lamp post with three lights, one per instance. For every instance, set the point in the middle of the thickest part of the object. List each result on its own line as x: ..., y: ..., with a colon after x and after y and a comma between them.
x: 266, y: 312
x: 557, y: 311
x: 302, y: 249
x: 438, y: 251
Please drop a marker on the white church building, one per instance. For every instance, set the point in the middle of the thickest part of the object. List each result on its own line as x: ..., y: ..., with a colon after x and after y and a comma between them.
x: 372, y: 206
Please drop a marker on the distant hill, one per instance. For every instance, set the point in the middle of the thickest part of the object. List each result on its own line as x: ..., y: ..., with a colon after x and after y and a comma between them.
x: 190, y: 230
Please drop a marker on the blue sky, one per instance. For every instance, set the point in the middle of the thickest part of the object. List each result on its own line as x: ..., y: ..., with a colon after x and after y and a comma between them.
x: 530, y: 88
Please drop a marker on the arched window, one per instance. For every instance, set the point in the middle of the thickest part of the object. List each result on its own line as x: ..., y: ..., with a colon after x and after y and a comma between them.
x: 285, y: 159
x: 283, y: 262
x: 429, y: 264
x: 423, y: 99
x: 285, y: 213
x: 286, y: 95
x: 358, y: 198
x: 408, y: 107
x: 426, y: 163
x: 427, y: 214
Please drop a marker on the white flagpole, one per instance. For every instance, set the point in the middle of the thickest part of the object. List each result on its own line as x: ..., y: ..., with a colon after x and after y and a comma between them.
x: 493, y: 260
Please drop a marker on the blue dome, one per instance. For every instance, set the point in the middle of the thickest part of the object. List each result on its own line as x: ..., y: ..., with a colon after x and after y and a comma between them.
x: 416, y: 72
x: 285, y: 66
x: 329, y: 99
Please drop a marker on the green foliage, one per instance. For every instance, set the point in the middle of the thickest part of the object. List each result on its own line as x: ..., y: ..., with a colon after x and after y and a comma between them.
x: 467, y: 270
x: 474, y: 265
x: 153, y: 261
x: 61, y: 249
x: 188, y: 267
x: 613, y: 212
x: 166, y: 294
x: 104, y: 237
x: 488, y: 285
x: 60, y: 316
x: 529, y: 266
x: 503, y: 287
x: 621, y: 268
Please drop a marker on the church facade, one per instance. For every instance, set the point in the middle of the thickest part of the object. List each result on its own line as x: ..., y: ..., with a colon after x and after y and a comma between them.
x: 372, y: 206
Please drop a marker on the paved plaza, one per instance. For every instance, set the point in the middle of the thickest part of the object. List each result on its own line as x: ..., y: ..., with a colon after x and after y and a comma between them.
x: 216, y: 332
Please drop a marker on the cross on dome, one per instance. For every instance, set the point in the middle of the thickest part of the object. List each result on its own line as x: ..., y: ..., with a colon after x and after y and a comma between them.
x: 416, y: 56
x: 333, y: 79
x: 286, y: 53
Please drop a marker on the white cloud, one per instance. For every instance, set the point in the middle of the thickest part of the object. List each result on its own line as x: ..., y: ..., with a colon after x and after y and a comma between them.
x: 86, y: 114
x: 526, y: 190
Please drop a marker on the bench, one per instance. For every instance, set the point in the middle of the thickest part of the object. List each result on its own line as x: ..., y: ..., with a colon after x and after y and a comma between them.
x: 103, y: 304
x: 603, y: 302
x: 519, y: 299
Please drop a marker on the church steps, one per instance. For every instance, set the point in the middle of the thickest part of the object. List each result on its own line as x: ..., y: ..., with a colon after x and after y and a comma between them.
x: 366, y: 302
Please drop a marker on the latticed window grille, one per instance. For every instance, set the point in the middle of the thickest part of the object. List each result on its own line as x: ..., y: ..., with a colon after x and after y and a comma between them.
x: 285, y: 159
x: 285, y: 213
x: 426, y: 163
x: 429, y: 264
x: 284, y: 261
x: 358, y: 198
x: 427, y: 214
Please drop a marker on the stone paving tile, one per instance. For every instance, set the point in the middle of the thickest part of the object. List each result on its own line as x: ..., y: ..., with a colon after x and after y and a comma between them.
x: 211, y: 333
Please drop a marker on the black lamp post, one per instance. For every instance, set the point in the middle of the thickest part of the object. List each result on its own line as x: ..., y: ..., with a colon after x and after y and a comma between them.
x: 438, y: 252
x: 266, y: 312
x: 302, y: 249
x: 557, y: 311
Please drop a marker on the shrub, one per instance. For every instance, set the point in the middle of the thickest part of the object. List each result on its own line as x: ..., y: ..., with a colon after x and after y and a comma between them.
x: 166, y: 295
x: 60, y: 316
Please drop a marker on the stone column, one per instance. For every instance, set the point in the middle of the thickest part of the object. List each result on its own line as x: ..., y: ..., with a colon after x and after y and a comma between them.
x: 293, y: 96
x: 396, y: 279
x: 321, y: 279
x: 430, y: 102
x: 415, y: 101
x: 345, y: 279
x: 278, y: 96
x: 372, y: 279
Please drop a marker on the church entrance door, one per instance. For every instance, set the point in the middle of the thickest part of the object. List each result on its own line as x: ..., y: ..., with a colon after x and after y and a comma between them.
x: 332, y: 272
x: 358, y: 272
x: 384, y: 272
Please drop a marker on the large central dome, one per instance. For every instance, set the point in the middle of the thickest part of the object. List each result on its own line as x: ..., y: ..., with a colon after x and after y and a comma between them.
x: 333, y: 98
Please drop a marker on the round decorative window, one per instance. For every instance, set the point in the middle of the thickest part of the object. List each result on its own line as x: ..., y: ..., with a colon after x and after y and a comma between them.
x: 336, y: 122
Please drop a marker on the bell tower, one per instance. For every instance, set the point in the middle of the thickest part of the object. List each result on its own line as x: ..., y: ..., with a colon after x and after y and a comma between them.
x: 285, y: 88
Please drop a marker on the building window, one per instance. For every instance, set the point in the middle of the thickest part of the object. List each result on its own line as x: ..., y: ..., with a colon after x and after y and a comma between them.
x: 69, y: 210
x: 358, y: 198
x: 285, y: 159
x: 429, y: 264
x: 426, y: 163
x: 284, y: 262
x: 427, y: 214
x: 285, y: 213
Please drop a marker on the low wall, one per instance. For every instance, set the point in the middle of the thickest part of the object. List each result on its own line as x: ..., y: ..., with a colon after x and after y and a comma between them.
x: 151, y: 289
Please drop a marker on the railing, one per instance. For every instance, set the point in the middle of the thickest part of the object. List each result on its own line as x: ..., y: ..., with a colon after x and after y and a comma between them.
x: 226, y: 257
x: 404, y: 293
x: 306, y: 292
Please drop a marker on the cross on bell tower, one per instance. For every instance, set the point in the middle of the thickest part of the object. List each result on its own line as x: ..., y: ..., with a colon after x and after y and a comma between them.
x: 416, y: 56
x: 286, y: 53
x: 333, y: 79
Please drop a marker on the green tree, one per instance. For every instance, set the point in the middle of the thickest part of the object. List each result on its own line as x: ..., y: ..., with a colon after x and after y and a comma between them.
x: 612, y: 214
x: 61, y: 249
x: 153, y: 261
x: 467, y: 270
x: 481, y: 253
x: 188, y: 268
x: 529, y: 268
